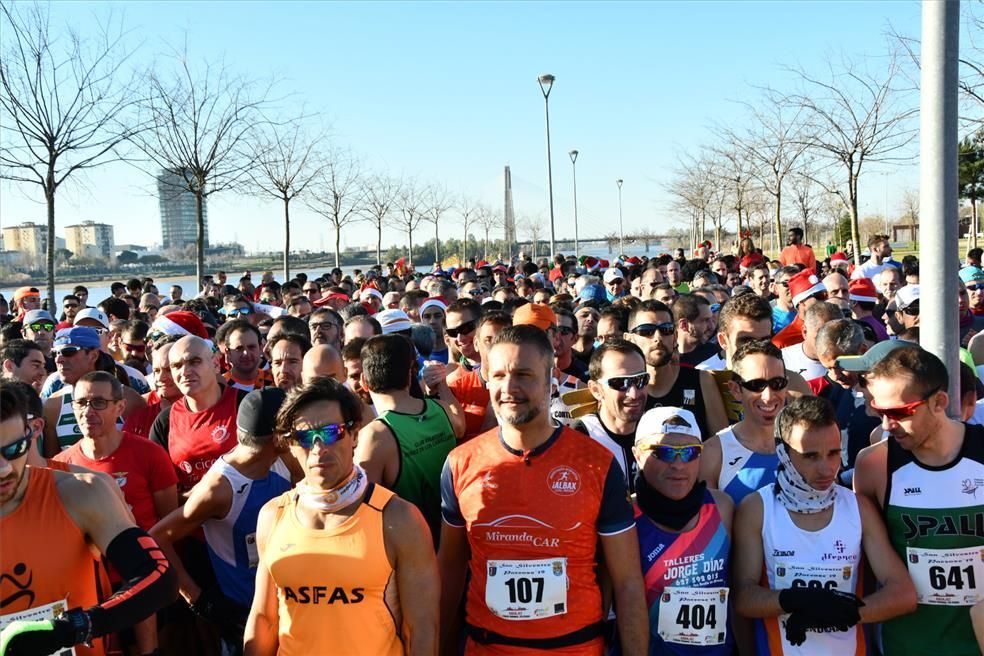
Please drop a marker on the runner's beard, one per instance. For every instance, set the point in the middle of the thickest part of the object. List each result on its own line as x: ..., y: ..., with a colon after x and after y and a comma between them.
x: 659, y: 357
x: 522, y: 417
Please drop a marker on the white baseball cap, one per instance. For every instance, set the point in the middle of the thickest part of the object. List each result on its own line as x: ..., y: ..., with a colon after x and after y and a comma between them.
x: 92, y: 313
x: 666, y: 420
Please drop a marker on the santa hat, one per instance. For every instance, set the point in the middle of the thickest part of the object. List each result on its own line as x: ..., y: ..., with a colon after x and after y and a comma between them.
x: 180, y: 322
x: 838, y: 259
x: 862, y: 290
x: 804, y: 285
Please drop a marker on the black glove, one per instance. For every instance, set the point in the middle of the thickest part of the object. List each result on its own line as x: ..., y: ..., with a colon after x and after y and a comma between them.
x: 795, y: 629
x: 23, y: 638
x: 218, y: 609
x: 822, y: 607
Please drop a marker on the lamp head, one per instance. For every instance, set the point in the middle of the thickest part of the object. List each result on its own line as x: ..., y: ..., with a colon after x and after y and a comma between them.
x: 546, y: 83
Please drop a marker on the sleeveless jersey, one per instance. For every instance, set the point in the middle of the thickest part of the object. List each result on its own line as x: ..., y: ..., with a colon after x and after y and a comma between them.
x: 686, y: 393
x: 686, y: 576
x: 45, y: 563
x: 196, y: 439
x: 533, y: 521
x: 936, y: 524
x: 743, y: 471
x: 231, y: 541
x: 593, y: 427
x: 829, y: 558
x: 424, y: 441
x: 326, y: 602
x: 67, y: 427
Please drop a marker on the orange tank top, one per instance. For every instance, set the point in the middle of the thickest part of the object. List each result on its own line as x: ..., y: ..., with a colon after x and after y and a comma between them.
x: 336, y: 588
x: 44, y: 558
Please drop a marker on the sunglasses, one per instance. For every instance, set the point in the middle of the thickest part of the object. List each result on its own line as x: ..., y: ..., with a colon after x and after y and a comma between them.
x: 901, y: 412
x: 95, y: 403
x: 668, y: 454
x: 475, y: 292
x: 38, y: 326
x: 134, y: 348
x: 327, y: 435
x: 238, y: 311
x: 18, y: 448
x: 912, y: 311
x: 625, y: 383
x: 715, y: 308
x: 69, y: 351
x: 566, y: 331
x: 758, y: 385
x: 74, y: 306
x: 974, y: 288
x: 649, y: 329
x: 464, y: 329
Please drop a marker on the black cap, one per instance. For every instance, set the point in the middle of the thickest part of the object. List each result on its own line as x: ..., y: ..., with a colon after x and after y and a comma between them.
x: 258, y: 411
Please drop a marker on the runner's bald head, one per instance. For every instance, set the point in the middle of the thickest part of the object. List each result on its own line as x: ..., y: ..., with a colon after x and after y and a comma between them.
x: 322, y: 360
x: 190, y: 345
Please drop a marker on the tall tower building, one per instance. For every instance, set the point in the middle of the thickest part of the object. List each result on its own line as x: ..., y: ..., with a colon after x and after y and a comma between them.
x: 179, y: 227
x: 508, y: 216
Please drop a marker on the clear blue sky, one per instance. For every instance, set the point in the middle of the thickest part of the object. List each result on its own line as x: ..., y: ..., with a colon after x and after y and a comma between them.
x: 446, y: 92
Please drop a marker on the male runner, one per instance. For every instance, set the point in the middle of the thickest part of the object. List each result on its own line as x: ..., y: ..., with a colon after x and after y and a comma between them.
x: 802, y: 358
x: 243, y: 356
x: 462, y: 321
x: 287, y: 352
x: 618, y: 382
x: 39, y: 327
x: 344, y: 564
x: 805, y: 289
x: 432, y: 313
x: 923, y: 478
x: 226, y: 503
x: 799, y: 544
x: 326, y: 327
x: 695, y: 326
x: 684, y: 539
x: 322, y: 360
x: 22, y: 359
x: 48, y: 583
x: 469, y: 387
x: 652, y: 329
x: 742, y: 458
x: 524, y: 507
x: 405, y: 447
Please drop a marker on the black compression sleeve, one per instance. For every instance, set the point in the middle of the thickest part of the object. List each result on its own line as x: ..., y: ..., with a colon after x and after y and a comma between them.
x: 149, y: 583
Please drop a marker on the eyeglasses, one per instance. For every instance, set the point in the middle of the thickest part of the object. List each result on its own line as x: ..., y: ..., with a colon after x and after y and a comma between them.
x: 18, y: 448
x: 625, y: 383
x: 668, y: 454
x: 39, y: 326
x: 134, y: 348
x: 69, y: 351
x: 905, y: 411
x: 327, y: 435
x: 322, y: 326
x: 758, y: 385
x: 96, y: 403
x: 647, y: 330
x: 464, y: 329
x: 475, y: 292
x: 235, y: 312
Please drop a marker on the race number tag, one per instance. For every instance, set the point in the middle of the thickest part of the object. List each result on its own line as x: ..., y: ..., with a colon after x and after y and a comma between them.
x: 815, y: 575
x: 526, y: 589
x: 693, y: 616
x: 50, y: 611
x: 947, y: 577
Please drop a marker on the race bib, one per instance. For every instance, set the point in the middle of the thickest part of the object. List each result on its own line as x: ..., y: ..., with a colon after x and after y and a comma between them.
x: 947, y: 577
x: 693, y: 616
x: 526, y: 589
x: 815, y: 575
x: 50, y: 611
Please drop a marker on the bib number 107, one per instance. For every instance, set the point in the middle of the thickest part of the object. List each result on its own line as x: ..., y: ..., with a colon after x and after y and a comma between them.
x: 696, y: 616
x: 525, y: 590
x: 954, y: 577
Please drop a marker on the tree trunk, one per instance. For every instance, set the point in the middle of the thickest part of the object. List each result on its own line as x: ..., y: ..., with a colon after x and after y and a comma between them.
x: 49, y: 196
x: 855, y: 231
x: 437, y: 246
x: 485, y: 256
x: 410, y: 252
x: 338, y: 246
x: 778, y: 215
x: 200, y: 237
x: 973, y: 222
x: 464, y: 247
x: 287, y: 240
x: 739, y: 222
x: 379, y: 243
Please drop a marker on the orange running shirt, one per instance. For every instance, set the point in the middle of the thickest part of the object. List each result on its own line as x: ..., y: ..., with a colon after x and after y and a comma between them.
x: 469, y: 390
x: 44, y: 557
x: 336, y: 589
x: 533, y: 522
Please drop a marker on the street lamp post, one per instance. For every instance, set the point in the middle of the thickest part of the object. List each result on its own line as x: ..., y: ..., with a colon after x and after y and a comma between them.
x: 621, y: 234
x: 546, y: 84
x: 573, y: 155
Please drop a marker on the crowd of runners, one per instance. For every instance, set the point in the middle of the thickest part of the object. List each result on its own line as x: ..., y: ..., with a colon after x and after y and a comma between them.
x: 687, y: 454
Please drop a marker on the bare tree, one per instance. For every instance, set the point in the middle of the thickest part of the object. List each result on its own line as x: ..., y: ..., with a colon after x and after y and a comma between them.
x: 438, y: 201
x: 410, y: 207
x: 534, y: 229
x: 852, y: 118
x: 338, y: 194
x: 62, y: 104
x: 772, y: 145
x: 807, y: 197
x: 379, y: 193
x: 200, y: 127
x: 467, y: 212
x: 285, y: 167
x: 489, y: 219
x: 910, y: 212
x: 736, y: 171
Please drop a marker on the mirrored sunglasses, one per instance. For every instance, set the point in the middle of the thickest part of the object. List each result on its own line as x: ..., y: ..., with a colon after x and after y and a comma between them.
x: 17, y: 448
x: 327, y: 435
x: 905, y: 411
x: 668, y: 454
x: 624, y: 383
x: 38, y: 326
x: 647, y: 330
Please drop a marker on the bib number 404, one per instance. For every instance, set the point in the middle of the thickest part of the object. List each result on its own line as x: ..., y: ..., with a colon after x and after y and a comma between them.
x: 525, y: 590
x: 696, y: 616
